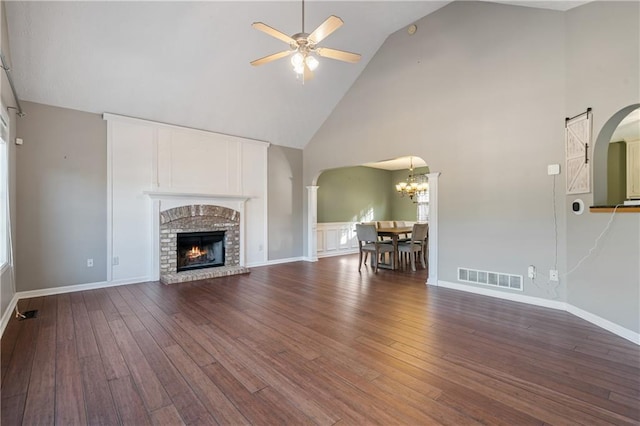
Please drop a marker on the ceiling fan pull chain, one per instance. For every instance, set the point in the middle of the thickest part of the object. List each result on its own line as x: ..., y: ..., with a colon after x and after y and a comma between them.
x: 303, y: 16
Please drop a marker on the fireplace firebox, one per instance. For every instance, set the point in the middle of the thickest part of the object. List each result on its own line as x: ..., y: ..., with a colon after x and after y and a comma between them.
x: 197, y: 250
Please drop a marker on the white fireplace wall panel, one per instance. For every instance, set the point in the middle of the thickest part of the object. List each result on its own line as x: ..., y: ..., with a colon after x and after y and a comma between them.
x: 132, y: 172
x: 147, y: 157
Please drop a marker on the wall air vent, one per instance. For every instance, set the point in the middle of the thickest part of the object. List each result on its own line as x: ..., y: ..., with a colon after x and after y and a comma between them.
x: 493, y: 279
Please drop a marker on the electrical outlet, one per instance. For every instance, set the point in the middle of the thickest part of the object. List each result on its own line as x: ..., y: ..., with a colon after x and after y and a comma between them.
x: 531, y: 272
x: 89, y: 263
x: 115, y: 261
x: 553, y: 275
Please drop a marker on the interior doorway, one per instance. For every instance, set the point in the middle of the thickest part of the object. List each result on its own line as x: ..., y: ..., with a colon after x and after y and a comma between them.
x: 339, y: 198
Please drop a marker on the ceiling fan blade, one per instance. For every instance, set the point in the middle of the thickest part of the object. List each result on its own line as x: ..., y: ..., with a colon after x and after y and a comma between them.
x: 270, y: 58
x: 272, y: 32
x: 340, y: 55
x: 325, y: 29
x: 308, y: 74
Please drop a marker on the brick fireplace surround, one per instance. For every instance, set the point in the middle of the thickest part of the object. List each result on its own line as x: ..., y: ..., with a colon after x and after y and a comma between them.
x: 199, y: 218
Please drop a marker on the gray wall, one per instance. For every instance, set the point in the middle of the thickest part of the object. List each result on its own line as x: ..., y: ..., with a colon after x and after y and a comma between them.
x: 285, y: 192
x: 478, y: 92
x: 481, y: 91
x: 61, y: 203
x: 354, y: 194
x: 603, y: 65
x: 61, y: 198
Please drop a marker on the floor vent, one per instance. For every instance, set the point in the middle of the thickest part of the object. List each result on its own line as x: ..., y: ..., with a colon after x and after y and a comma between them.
x: 493, y: 279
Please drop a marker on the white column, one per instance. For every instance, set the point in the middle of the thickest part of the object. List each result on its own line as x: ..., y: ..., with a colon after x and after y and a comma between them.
x: 312, y: 216
x: 432, y: 279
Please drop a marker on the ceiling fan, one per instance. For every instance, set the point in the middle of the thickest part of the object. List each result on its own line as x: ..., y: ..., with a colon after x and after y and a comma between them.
x: 303, y: 46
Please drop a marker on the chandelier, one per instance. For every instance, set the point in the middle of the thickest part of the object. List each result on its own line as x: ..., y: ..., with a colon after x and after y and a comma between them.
x: 412, y: 186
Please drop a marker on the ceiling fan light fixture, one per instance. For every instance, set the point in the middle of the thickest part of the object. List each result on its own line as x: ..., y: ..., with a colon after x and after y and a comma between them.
x: 311, y: 62
x: 304, y: 46
x: 297, y: 60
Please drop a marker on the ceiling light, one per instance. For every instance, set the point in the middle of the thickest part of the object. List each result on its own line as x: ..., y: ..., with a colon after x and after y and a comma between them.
x: 297, y: 59
x: 311, y: 62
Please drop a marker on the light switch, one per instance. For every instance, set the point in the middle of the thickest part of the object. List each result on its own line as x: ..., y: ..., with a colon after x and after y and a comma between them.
x: 553, y: 169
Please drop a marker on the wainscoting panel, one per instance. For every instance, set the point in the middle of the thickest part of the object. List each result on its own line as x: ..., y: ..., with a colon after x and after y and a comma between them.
x: 336, y: 238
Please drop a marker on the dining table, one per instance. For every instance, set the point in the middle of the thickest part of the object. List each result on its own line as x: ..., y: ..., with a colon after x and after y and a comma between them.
x: 395, y: 233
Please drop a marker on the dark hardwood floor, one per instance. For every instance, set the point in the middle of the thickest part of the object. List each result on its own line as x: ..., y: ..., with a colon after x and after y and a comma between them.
x: 310, y: 343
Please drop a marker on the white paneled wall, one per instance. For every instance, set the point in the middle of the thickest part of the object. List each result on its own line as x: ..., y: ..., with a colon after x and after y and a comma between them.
x: 336, y: 238
x: 154, y: 165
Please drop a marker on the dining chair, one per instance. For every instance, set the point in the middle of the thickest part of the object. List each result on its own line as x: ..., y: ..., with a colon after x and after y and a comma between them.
x: 385, y: 224
x: 402, y: 224
x: 368, y: 242
x: 417, y: 245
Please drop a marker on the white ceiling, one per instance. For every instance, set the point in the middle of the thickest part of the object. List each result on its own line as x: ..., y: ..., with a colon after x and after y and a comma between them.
x: 398, y: 163
x: 187, y: 63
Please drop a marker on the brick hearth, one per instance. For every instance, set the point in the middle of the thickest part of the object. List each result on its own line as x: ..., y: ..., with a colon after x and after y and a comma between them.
x: 199, y: 218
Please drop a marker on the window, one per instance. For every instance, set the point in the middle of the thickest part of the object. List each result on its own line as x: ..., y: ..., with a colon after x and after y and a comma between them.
x: 4, y: 202
x: 422, y: 201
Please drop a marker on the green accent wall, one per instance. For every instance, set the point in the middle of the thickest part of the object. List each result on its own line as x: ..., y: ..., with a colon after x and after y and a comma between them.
x: 363, y: 194
x: 354, y: 194
x: 617, y: 173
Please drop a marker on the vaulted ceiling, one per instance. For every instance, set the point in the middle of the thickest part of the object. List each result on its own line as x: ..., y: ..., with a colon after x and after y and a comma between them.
x: 187, y: 63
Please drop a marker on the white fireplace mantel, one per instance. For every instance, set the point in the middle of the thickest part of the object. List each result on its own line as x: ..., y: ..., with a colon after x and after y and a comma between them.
x: 152, y: 167
x: 165, y: 195
x: 164, y: 200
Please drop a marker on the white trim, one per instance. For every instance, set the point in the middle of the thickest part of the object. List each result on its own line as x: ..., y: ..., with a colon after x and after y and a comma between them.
x: 160, y: 195
x: 614, y: 328
x: 605, y: 324
x: 312, y: 222
x: 109, y: 202
x: 432, y: 279
x: 287, y: 260
x: 310, y: 259
x: 338, y: 253
x: 139, y: 121
x: 6, y: 316
x: 515, y: 297
x: 265, y: 207
x: 79, y: 287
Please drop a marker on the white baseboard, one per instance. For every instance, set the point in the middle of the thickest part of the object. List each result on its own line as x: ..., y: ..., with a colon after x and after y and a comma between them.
x: 337, y: 253
x: 6, y: 316
x: 310, y: 259
x: 78, y: 287
x: 616, y: 329
x: 605, y: 324
x: 516, y: 297
x: 287, y: 260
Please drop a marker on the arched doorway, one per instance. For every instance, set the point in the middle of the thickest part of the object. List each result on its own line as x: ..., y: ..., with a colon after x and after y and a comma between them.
x: 359, y: 207
x: 601, y: 154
